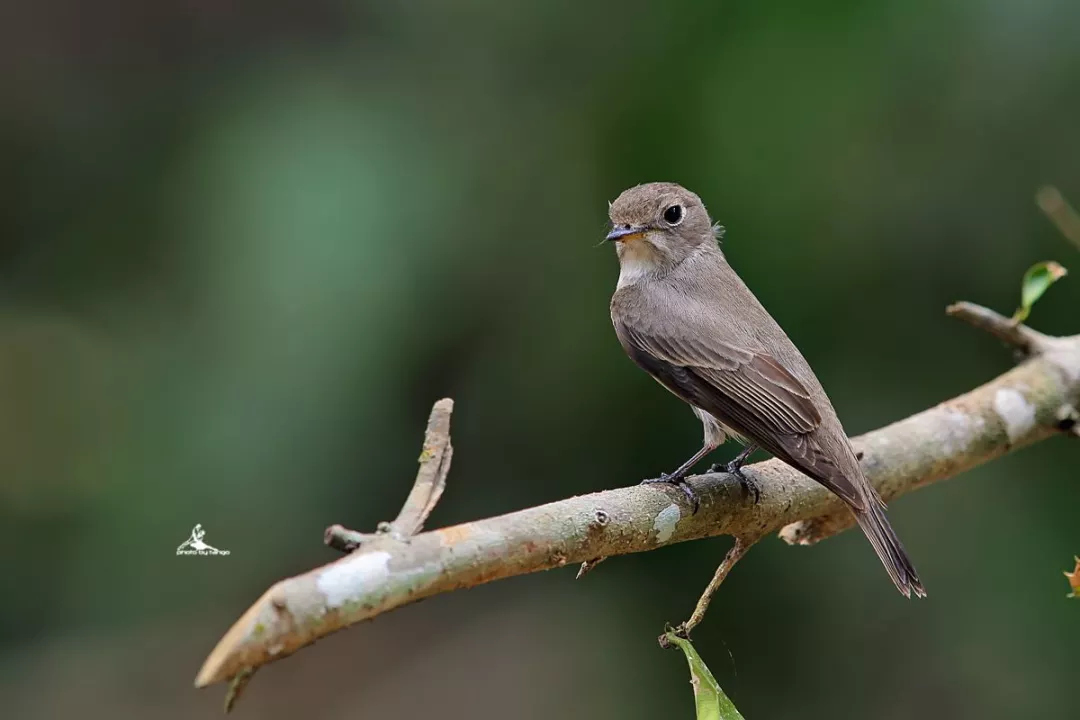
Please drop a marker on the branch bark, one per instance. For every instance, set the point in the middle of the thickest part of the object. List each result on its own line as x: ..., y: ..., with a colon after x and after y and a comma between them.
x: 1016, y: 409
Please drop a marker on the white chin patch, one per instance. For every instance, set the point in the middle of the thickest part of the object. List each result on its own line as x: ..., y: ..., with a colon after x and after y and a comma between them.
x: 636, y: 261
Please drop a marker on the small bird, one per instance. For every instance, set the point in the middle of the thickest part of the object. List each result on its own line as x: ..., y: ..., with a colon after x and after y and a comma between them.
x: 684, y: 316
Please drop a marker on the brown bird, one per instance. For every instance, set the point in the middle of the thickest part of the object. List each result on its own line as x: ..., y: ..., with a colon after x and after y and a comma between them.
x: 685, y: 317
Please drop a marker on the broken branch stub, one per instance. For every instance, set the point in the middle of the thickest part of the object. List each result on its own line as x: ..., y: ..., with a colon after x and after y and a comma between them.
x: 435, y: 457
x: 431, y: 477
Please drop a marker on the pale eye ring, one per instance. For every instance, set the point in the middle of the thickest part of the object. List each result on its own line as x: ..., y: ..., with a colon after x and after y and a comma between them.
x: 674, y: 214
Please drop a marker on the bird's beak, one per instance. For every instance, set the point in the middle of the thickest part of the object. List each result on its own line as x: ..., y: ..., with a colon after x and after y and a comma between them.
x: 625, y: 233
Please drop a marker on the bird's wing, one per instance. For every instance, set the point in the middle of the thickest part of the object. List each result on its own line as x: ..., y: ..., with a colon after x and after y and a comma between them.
x: 748, y: 390
x: 754, y: 389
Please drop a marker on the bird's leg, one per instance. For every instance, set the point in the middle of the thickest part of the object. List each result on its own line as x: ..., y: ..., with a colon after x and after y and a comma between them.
x: 735, y: 468
x: 677, y: 477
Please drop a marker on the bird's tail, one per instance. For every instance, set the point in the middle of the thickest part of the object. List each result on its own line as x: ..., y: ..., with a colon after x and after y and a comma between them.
x: 889, y: 548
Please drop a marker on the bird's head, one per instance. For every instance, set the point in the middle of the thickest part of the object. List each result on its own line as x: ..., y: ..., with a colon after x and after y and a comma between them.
x: 656, y: 226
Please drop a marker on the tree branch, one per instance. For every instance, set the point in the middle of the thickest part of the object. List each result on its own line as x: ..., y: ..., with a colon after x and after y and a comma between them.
x: 1016, y: 409
x: 1019, y: 336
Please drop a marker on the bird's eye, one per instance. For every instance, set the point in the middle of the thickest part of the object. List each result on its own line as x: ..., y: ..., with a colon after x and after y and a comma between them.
x: 673, y: 215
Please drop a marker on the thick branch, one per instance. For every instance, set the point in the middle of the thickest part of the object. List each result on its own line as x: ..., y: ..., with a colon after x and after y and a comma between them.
x: 1014, y: 410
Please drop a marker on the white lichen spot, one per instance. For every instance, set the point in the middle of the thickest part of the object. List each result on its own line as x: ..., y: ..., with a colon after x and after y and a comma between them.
x: 1067, y: 363
x: 960, y: 430
x: 1015, y: 411
x: 666, y: 521
x: 349, y: 579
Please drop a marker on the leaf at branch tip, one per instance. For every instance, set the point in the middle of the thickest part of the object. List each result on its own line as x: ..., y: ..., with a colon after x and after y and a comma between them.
x: 1074, y: 580
x: 1037, y: 280
x: 711, y: 702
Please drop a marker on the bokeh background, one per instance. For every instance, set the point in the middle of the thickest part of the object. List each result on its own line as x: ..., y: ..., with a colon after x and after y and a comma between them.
x: 245, y: 245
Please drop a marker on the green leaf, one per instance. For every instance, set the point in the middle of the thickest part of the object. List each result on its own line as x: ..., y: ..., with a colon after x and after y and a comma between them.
x: 1037, y: 280
x: 712, y: 703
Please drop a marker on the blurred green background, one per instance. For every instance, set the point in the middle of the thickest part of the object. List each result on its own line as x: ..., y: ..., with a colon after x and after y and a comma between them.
x: 246, y: 245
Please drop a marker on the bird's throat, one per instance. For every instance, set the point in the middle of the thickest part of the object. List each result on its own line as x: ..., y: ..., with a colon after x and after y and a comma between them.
x: 638, y: 259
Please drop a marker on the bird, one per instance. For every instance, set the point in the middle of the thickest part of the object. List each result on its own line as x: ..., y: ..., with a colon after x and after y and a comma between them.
x: 686, y: 318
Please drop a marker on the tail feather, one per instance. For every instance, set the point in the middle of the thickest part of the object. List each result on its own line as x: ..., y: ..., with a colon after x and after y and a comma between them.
x: 876, y: 526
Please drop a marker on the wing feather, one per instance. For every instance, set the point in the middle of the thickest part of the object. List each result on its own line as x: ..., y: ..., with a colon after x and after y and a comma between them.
x: 753, y: 384
x: 747, y: 390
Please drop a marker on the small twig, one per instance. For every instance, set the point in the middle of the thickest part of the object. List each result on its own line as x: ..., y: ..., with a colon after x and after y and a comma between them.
x: 589, y: 566
x: 1021, y: 337
x: 428, y: 487
x: 431, y: 477
x: 1060, y: 212
x: 236, y: 687
x: 345, y: 540
x: 741, y: 547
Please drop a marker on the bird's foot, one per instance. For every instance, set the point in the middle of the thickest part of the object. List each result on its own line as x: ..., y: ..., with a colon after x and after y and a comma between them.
x: 749, y: 486
x: 735, y: 468
x: 678, y: 482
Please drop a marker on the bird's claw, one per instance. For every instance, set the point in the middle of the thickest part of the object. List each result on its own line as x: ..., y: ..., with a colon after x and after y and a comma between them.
x: 681, y: 484
x: 748, y: 485
x: 733, y: 468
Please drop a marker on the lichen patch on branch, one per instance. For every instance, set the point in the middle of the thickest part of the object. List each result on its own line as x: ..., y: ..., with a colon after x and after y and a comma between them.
x: 960, y: 430
x: 1015, y: 412
x: 667, y: 520
x: 349, y: 578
